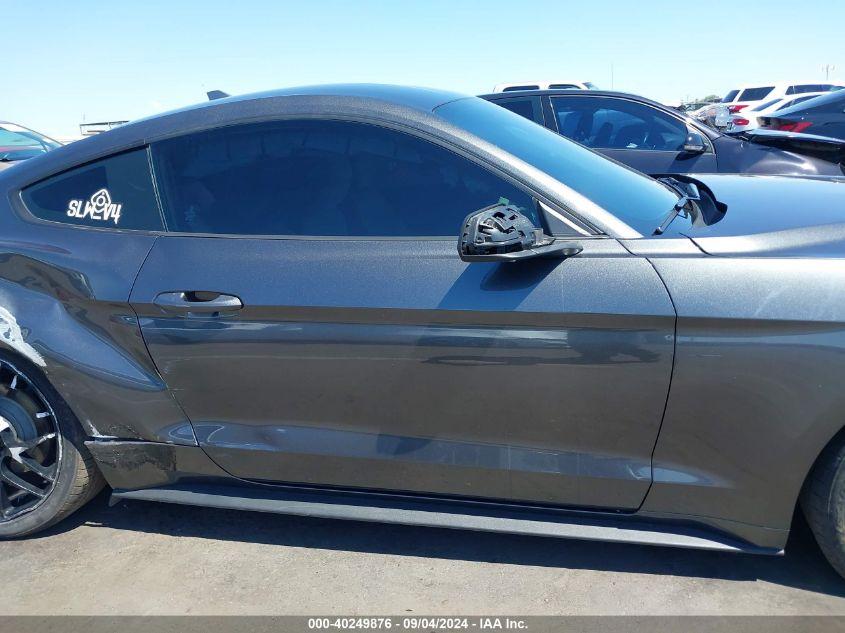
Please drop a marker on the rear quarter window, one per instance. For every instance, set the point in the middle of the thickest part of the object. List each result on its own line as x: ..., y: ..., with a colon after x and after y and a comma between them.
x: 115, y: 193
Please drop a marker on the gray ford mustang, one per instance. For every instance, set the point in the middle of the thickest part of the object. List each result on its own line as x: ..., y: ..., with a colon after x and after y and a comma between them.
x: 395, y: 304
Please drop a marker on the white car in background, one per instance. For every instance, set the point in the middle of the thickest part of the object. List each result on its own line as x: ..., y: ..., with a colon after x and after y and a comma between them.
x: 545, y: 85
x: 748, y: 118
x: 753, y: 94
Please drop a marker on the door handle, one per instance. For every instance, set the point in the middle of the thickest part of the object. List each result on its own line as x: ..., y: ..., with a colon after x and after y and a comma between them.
x: 195, y: 301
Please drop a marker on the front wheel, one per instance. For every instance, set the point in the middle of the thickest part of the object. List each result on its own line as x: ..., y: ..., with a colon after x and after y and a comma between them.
x: 46, y: 473
x: 823, y: 503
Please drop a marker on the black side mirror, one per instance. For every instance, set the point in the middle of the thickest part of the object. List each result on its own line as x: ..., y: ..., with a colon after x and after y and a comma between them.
x: 694, y: 143
x: 502, y: 233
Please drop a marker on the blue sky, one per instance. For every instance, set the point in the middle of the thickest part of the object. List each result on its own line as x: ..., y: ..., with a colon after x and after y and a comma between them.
x: 69, y: 60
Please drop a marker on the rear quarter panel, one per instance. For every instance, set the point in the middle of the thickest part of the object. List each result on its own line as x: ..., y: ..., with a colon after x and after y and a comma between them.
x: 64, y: 307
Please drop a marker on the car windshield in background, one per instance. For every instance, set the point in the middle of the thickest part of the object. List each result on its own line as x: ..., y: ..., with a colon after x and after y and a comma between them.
x: 636, y: 199
x: 811, y: 88
x: 730, y: 96
x: 755, y: 94
x: 16, y: 137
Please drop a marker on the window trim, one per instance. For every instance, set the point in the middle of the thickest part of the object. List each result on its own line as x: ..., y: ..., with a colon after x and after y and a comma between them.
x: 479, y: 161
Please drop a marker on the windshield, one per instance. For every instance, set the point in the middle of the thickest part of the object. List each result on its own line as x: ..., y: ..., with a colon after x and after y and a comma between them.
x: 13, y: 137
x: 639, y: 201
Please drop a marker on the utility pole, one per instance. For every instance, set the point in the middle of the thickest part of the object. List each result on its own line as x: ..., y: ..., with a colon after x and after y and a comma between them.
x: 828, y: 68
x: 612, y: 86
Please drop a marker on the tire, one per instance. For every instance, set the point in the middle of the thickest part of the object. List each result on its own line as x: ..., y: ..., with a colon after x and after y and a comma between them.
x: 75, y: 477
x: 823, y: 503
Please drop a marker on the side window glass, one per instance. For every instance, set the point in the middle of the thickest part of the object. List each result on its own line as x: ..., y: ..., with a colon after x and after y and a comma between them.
x: 321, y: 178
x: 604, y: 123
x: 528, y: 107
x: 115, y: 192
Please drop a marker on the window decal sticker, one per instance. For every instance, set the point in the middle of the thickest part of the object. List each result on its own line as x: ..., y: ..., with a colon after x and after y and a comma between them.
x: 98, y: 207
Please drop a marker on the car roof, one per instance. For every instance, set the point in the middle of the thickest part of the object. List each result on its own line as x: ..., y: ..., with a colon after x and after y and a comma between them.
x: 409, y: 109
x: 538, y: 82
x: 786, y: 84
x: 416, y: 97
x: 403, y: 103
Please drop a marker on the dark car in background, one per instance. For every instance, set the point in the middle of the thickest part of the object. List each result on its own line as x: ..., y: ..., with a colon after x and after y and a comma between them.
x: 395, y: 304
x: 822, y: 116
x: 18, y: 143
x: 653, y: 138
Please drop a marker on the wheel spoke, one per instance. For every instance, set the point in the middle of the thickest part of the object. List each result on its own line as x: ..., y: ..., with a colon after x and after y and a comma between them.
x: 13, y: 480
x: 28, y: 467
x: 45, y: 472
x: 28, y: 445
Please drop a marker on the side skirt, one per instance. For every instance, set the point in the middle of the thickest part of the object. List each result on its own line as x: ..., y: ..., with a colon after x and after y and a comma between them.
x: 487, y: 517
x: 172, y: 473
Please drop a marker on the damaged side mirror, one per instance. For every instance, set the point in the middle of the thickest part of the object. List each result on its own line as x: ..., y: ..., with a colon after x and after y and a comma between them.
x: 502, y: 233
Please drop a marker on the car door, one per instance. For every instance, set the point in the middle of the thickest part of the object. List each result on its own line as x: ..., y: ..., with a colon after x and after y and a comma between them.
x: 313, y: 319
x: 634, y: 133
